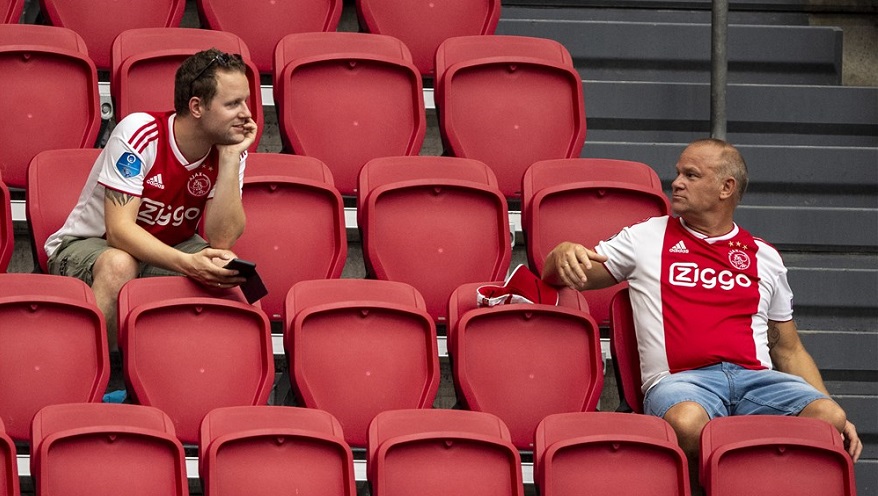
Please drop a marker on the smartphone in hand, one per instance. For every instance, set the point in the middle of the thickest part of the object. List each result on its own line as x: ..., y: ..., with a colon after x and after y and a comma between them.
x: 253, y: 288
x: 245, y: 268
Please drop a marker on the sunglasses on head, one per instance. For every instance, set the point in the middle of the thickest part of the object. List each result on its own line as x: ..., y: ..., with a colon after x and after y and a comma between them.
x: 222, y: 59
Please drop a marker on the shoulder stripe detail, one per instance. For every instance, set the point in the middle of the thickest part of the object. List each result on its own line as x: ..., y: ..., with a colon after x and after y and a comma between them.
x: 147, y: 132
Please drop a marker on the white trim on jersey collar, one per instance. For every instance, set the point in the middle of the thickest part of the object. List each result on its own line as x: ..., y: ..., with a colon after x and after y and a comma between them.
x: 731, y: 234
x: 177, y: 153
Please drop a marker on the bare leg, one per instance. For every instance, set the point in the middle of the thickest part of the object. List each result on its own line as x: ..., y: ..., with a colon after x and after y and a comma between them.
x: 112, y: 270
x: 688, y: 420
x: 826, y: 410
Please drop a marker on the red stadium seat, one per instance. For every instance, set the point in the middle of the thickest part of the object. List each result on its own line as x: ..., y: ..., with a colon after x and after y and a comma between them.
x: 608, y: 453
x: 423, y: 26
x: 441, y: 459
x: 262, y: 24
x: 586, y: 201
x: 54, y: 182
x: 773, y: 454
x: 84, y: 449
x: 623, y: 347
x: 145, y: 60
x: 274, y: 450
x: 394, y: 423
x: 10, y: 11
x: 9, y: 485
x: 53, y: 347
x: 189, y: 355
x: 456, y: 226
x: 7, y: 235
x: 37, y: 61
x: 358, y: 347
x: 295, y: 224
x: 100, y: 21
x: 523, y: 362
x: 508, y: 101
x: 346, y: 98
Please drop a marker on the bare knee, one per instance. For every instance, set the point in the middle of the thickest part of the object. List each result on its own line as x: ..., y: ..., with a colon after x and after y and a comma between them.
x: 114, y: 268
x: 826, y: 410
x: 688, y: 420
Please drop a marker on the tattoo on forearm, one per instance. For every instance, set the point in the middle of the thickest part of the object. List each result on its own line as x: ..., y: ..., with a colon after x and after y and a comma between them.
x: 773, y: 336
x: 118, y: 198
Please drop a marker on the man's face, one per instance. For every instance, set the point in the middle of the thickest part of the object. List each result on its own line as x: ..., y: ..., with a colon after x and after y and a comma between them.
x: 224, y: 117
x: 697, y: 187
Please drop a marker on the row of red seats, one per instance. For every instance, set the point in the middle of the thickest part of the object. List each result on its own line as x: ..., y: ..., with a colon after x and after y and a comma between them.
x: 102, y: 449
x: 455, y: 217
x: 344, y: 98
x: 421, y: 26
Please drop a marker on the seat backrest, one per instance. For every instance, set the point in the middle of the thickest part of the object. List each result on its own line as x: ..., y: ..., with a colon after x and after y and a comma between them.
x: 347, y: 98
x: 145, y: 60
x: 9, y: 485
x: 460, y: 227
x: 46, y: 320
x: 262, y: 24
x: 394, y: 423
x: 7, y: 235
x: 608, y: 453
x: 295, y: 192
x: 270, y: 449
x: 10, y: 11
x: 509, y: 104
x: 99, y: 22
x: 623, y: 347
x: 604, y: 197
x: 424, y: 26
x: 806, y: 456
x: 154, y: 289
x: 54, y: 182
x: 358, y: 347
x: 100, y: 447
x: 38, y: 61
x: 522, y: 362
x: 189, y: 355
x: 444, y: 459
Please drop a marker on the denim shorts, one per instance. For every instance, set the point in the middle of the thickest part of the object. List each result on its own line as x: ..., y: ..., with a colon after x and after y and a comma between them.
x: 727, y: 389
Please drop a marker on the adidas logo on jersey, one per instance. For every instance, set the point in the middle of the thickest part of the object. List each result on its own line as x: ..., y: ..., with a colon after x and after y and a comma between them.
x: 156, y: 181
x: 680, y: 247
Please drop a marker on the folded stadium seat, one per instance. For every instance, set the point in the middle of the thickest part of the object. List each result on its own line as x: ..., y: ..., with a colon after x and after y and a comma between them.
x: 145, y: 60
x: 347, y: 98
x: 423, y: 26
x: 609, y: 453
x: 274, y: 450
x: 150, y: 289
x: 86, y: 449
x: 7, y: 235
x: 508, y: 101
x: 456, y: 225
x: 37, y: 61
x: 263, y: 24
x: 586, y: 201
x: 190, y: 354
x: 9, y: 485
x: 524, y: 361
x: 54, y: 182
x: 357, y: 347
x: 454, y: 453
x: 394, y: 423
x: 773, y: 454
x: 10, y: 11
x: 100, y: 21
x: 53, y: 347
x: 295, y: 192
x: 623, y: 348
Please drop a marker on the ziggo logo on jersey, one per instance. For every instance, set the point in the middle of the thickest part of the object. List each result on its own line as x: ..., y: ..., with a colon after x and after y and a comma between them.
x: 690, y: 275
x: 153, y: 212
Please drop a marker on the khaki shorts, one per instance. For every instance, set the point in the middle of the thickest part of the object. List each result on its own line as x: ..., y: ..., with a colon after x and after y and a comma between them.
x: 76, y: 257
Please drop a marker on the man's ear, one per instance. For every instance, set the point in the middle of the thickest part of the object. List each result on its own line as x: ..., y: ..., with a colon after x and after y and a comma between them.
x: 196, y: 107
x: 729, y: 188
